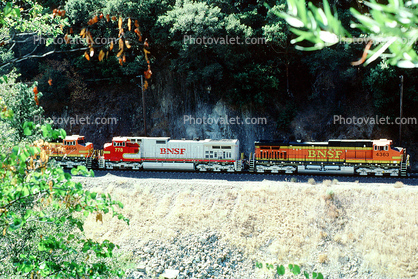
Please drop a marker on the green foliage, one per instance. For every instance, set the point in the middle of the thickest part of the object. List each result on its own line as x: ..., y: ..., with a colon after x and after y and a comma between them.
x: 391, y: 27
x: 322, y: 27
x: 41, y: 210
x: 286, y: 116
x: 383, y: 82
x: 190, y: 23
x: 295, y: 269
x: 21, y: 107
x: 38, y: 198
x: 80, y: 11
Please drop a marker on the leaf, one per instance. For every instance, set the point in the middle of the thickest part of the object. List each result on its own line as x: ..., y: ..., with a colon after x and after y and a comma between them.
x: 364, y: 56
x: 306, y: 274
x: 119, y: 53
x: 91, y: 52
x: 99, y: 217
x: 120, y: 61
x: 66, y: 39
x: 101, y: 55
x: 86, y: 55
x: 128, y: 45
x: 111, y: 46
x: 281, y: 270
x: 107, y: 17
x: 50, y: 81
x: 138, y: 33
x: 8, y: 8
x: 136, y: 23
x: 295, y: 269
x: 146, y: 52
x: 120, y: 44
x: 27, y: 131
x: 120, y: 23
x: 129, y: 24
x: 83, y: 32
x: 124, y: 59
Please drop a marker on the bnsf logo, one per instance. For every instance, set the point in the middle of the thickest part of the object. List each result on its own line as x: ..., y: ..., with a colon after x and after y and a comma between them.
x: 172, y: 150
x: 324, y: 154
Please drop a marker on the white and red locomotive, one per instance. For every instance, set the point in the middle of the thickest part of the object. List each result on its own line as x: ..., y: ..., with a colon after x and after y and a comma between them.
x: 164, y: 153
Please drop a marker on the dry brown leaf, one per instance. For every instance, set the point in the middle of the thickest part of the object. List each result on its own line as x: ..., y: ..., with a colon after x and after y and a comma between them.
x: 86, y: 55
x: 119, y: 53
x: 111, y: 46
x: 83, y: 32
x: 120, y: 23
x: 101, y: 55
x: 128, y: 45
x: 129, y: 24
x: 99, y: 217
x: 120, y: 44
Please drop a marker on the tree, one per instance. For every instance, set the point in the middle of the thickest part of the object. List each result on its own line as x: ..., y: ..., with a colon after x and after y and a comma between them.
x: 391, y: 29
x: 41, y: 210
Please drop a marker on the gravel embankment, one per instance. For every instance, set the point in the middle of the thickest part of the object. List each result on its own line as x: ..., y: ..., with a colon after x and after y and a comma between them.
x: 219, y: 226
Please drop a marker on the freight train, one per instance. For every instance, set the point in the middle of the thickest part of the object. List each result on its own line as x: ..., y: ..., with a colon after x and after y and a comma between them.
x: 347, y: 157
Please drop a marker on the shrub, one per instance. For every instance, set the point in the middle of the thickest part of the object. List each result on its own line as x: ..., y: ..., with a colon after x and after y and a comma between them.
x: 399, y: 184
x: 311, y: 181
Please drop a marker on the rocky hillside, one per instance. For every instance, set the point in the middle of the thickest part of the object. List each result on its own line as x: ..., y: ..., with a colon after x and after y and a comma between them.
x: 220, y: 226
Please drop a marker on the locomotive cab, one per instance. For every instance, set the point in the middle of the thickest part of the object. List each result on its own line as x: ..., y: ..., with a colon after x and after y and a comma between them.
x: 122, y: 148
x: 385, y: 152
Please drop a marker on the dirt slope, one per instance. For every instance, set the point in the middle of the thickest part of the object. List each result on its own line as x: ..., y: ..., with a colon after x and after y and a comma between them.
x: 337, y: 228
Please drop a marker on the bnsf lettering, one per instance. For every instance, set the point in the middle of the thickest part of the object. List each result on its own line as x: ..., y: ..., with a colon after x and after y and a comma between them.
x: 324, y: 154
x: 172, y: 151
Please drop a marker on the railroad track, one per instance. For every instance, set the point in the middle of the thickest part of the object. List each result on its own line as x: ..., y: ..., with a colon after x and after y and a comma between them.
x: 411, y: 180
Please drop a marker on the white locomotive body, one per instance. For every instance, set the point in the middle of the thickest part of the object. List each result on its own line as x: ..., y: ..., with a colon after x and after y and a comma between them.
x: 167, y: 154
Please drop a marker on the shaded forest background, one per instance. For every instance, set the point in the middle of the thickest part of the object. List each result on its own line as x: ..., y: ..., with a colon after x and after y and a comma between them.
x: 297, y: 92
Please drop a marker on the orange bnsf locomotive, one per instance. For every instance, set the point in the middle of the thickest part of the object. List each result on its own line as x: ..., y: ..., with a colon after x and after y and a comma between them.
x: 354, y: 157
x: 363, y: 157
x: 72, y: 151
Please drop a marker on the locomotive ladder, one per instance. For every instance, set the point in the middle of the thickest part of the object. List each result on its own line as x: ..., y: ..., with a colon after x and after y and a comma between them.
x: 89, y: 161
x: 252, y: 162
x: 403, y: 168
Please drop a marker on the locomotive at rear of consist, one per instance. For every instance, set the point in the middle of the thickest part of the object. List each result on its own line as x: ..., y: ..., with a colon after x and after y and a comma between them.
x: 362, y: 157
x: 71, y: 151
